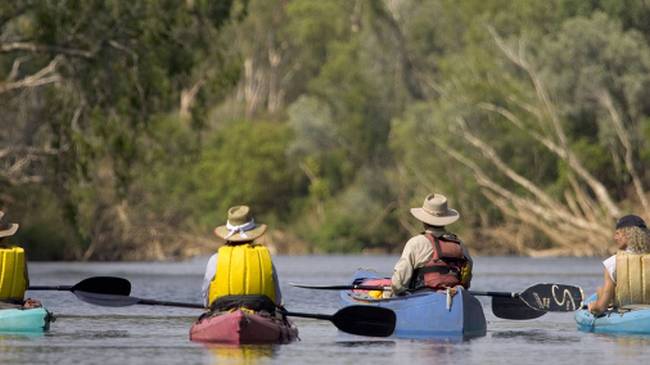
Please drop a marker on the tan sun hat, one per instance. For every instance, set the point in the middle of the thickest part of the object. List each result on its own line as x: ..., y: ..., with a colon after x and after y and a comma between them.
x: 7, y: 229
x: 435, y: 212
x: 240, y: 226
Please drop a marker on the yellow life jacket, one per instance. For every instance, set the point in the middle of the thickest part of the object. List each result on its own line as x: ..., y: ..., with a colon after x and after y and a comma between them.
x: 244, y: 269
x: 13, y: 279
x: 632, y: 279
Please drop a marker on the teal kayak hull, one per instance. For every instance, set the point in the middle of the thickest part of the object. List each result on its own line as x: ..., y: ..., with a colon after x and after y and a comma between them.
x: 25, y: 320
x: 635, y: 320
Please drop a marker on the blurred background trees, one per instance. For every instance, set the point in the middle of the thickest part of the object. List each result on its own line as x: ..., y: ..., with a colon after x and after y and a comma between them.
x: 128, y: 130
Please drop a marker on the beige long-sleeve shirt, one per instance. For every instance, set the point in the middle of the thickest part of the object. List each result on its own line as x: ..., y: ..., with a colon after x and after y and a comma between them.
x: 417, y: 252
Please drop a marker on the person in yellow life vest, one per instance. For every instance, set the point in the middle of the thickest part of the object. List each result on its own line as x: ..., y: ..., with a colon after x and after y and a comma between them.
x: 626, y: 275
x: 14, y: 279
x: 434, y: 259
x: 242, y: 268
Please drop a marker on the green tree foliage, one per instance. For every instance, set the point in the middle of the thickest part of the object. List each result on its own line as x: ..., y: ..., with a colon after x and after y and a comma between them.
x: 141, y: 123
x: 244, y: 163
x: 115, y: 66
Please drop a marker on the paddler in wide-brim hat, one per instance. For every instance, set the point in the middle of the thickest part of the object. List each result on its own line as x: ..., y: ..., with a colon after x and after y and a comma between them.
x: 242, y: 269
x: 434, y: 259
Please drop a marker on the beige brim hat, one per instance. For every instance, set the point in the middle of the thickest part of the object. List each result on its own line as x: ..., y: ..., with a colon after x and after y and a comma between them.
x: 13, y: 228
x: 423, y: 216
x: 435, y: 212
x: 222, y: 232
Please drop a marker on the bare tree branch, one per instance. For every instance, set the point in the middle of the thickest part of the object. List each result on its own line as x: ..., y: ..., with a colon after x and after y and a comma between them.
x: 15, y: 67
x: 188, y: 96
x: 564, y: 150
x: 563, y: 226
x: 606, y: 100
x: 492, y: 155
x: 44, y: 76
x: 42, y: 48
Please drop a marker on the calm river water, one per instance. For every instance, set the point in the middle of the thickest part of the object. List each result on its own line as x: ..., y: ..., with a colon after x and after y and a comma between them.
x: 86, y: 334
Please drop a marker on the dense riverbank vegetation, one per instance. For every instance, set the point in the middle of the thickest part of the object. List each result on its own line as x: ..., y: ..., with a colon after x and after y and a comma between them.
x: 128, y: 128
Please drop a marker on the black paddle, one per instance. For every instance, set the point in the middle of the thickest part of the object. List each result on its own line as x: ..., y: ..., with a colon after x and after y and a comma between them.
x: 357, y: 319
x: 513, y: 308
x: 533, y: 302
x: 95, y: 284
x: 544, y: 297
x: 364, y: 320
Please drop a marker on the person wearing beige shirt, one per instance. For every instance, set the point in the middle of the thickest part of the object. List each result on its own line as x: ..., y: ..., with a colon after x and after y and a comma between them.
x: 434, y: 258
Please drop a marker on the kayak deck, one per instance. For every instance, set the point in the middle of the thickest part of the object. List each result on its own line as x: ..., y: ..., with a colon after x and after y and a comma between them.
x: 25, y: 320
x: 628, y: 320
x: 242, y: 326
x: 427, y: 314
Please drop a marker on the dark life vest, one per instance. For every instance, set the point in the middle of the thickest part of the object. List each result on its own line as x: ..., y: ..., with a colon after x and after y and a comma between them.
x: 444, y: 268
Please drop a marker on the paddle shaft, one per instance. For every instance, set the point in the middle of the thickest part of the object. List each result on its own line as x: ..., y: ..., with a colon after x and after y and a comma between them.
x: 200, y: 306
x: 309, y: 315
x: 326, y: 317
x: 382, y: 288
x: 341, y: 287
x: 58, y: 287
x: 494, y: 294
x: 169, y: 304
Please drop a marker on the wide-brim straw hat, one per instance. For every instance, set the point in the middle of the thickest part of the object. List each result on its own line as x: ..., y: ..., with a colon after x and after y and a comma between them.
x: 240, y: 226
x: 435, y: 211
x: 7, y: 229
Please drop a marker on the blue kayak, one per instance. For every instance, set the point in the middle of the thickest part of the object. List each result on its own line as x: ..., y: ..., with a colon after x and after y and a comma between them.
x: 634, y: 319
x: 25, y: 320
x: 424, y: 314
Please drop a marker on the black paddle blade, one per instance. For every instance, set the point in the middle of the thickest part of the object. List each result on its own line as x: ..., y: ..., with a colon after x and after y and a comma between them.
x: 365, y: 320
x: 513, y: 308
x: 106, y: 300
x: 104, y: 285
x: 553, y: 297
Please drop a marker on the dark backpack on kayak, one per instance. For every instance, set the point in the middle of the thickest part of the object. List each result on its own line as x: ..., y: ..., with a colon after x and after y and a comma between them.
x: 252, y: 302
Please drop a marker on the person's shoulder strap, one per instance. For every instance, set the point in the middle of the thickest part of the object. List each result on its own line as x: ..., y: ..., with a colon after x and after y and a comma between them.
x: 435, y: 242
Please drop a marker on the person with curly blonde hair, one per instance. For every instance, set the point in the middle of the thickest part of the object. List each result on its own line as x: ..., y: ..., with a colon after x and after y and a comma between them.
x: 637, y: 238
x: 631, y: 236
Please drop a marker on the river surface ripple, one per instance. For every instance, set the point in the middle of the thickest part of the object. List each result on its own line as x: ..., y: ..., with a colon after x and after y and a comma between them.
x: 87, y: 334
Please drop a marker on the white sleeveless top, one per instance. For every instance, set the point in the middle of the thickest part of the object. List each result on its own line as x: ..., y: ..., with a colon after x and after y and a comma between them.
x: 610, y: 266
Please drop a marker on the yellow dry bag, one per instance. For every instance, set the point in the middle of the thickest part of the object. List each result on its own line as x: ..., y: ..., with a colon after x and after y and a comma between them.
x: 244, y: 269
x: 632, y: 279
x: 13, y: 279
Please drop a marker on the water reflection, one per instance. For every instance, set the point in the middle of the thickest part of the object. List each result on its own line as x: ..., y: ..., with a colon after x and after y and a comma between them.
x: 536, y: 336
x: 8, y: 341
x: 366, y: 344
x: 241, y: 354
x: 625, y: 340
x: 7, y: 337
x: 102, y: 334
x: 433, y: 349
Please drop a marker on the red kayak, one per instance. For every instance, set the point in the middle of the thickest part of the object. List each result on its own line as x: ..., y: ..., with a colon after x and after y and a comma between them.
x: 243, y: 327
